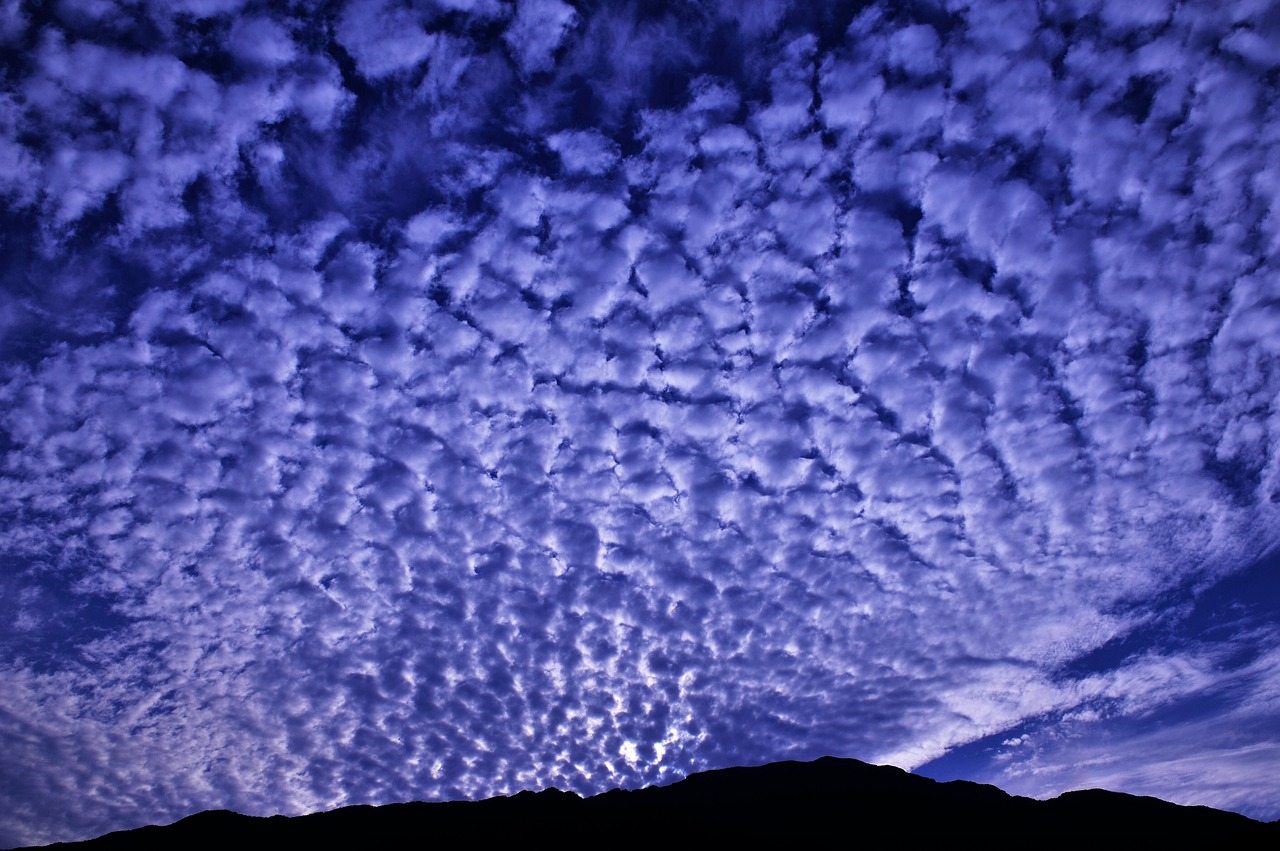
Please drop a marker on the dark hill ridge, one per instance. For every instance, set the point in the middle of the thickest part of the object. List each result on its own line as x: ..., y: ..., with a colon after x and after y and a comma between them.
x: 841, y: 800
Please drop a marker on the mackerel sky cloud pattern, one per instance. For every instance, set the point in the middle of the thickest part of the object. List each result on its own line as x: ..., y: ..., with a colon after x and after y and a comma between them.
x: 423, y: 400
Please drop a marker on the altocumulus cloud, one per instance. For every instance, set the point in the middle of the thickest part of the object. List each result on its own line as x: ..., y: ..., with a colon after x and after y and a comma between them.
x: 438, y: 399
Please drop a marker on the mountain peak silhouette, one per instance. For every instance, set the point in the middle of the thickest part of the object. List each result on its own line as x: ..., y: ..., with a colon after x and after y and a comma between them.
x: 828, y: 799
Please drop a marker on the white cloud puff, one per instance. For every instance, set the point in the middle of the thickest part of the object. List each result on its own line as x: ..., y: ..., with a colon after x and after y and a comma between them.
x: 536, y: 31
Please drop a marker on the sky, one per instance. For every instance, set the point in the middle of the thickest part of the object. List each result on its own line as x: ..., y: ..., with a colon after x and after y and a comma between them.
x: 434, y: 399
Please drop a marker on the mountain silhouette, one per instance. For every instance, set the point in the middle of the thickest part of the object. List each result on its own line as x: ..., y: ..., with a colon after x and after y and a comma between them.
x: 829, y: 800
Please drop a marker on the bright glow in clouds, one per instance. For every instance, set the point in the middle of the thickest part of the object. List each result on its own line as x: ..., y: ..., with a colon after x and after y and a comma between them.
x: 439, y: 399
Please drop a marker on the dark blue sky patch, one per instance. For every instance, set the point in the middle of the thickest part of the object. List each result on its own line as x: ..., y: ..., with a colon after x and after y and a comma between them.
x: 971, y: 759
x: 54, y: 625
x: 1241, y: 602
x: 1233, y: 612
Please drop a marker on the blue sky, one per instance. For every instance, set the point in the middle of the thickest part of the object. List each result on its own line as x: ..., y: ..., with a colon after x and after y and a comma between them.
x: 436, y: 399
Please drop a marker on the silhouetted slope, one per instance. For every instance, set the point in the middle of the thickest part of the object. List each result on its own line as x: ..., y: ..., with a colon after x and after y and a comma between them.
x: 853, y: 802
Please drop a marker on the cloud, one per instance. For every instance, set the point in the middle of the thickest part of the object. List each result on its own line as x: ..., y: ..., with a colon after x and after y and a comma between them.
x: 1167, y: 727
x: 537, y: 31
x: 383, y: 37
x: 387, y: 423
x: 261, y: 42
